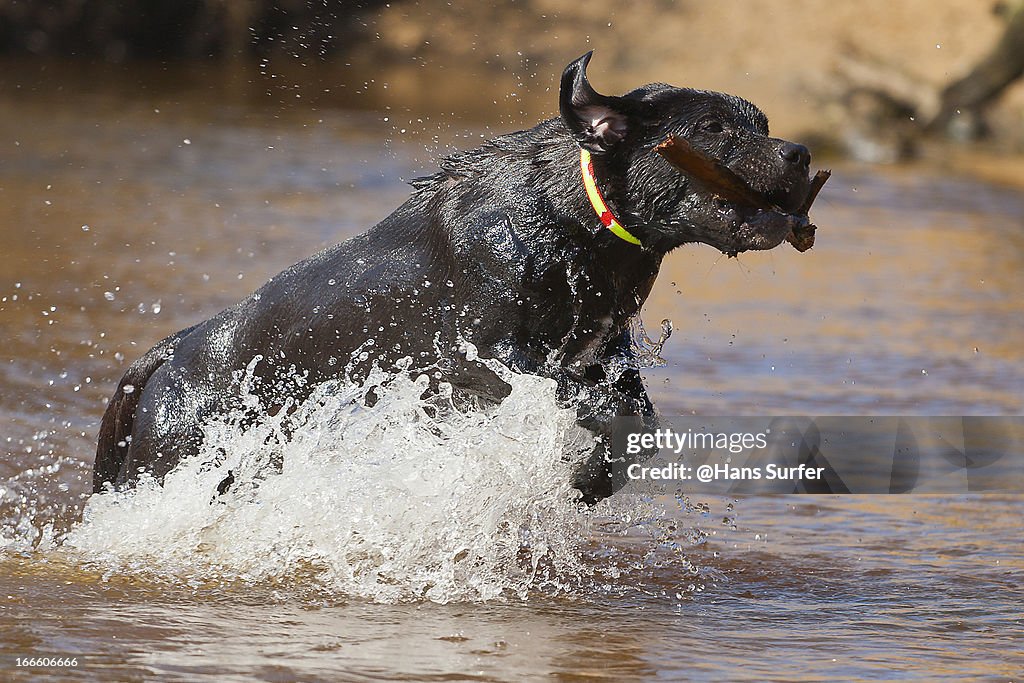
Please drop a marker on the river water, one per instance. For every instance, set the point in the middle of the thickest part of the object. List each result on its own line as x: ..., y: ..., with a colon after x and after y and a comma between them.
x: 132, y: 206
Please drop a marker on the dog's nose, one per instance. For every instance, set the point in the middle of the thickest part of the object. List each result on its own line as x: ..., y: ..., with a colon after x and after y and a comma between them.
x: 795, y: 154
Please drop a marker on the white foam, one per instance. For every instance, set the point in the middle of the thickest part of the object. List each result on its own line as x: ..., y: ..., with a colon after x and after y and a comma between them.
x: 384, y: 502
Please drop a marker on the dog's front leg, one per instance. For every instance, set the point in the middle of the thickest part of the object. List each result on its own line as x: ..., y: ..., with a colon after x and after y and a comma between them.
x: 611, y: 389
x: 603, y: 391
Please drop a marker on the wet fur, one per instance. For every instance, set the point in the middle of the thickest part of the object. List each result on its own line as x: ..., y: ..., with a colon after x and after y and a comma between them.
x: 500, y: 248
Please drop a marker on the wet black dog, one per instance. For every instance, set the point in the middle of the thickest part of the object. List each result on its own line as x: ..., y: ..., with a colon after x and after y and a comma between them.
x: 504, y: 249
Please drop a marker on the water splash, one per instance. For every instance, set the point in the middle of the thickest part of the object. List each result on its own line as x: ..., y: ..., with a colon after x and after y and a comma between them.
x: 647, y: 350
x: 403, y: 499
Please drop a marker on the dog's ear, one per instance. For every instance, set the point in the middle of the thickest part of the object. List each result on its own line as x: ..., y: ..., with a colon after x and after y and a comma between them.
x: 596, y: 121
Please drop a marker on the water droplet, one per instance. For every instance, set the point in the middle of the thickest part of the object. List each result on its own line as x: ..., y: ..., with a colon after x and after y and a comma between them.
x: 128, y: 389
x: 109, y: 296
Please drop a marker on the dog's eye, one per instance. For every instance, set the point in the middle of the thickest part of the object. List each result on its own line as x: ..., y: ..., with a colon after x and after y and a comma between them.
x: 710, y: 126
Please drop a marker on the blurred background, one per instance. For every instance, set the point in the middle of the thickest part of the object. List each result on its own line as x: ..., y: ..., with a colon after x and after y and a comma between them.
x: 161, y: 159
x: 839, y: 73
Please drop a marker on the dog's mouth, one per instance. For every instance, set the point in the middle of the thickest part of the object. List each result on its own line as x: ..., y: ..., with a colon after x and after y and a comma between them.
x: 758, y: 229
x: 755, y: 220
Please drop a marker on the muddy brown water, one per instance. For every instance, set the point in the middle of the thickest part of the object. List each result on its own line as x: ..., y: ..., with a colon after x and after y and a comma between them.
x: 127, y: 213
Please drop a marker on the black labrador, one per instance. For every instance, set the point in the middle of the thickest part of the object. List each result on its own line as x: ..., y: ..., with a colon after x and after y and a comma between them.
x: 537, y: 248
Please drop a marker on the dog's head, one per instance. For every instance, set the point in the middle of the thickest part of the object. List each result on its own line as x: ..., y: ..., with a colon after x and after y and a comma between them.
x: 666, y: 207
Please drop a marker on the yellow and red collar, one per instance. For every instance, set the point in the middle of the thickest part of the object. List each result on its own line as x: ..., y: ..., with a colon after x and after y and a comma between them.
x: 597, y: 201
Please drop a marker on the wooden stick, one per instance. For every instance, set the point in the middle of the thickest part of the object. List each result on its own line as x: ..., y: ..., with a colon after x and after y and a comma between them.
x: 802, y: 236
x: 817, y: 183
x: 712, y: 172
x: 722, y: 181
